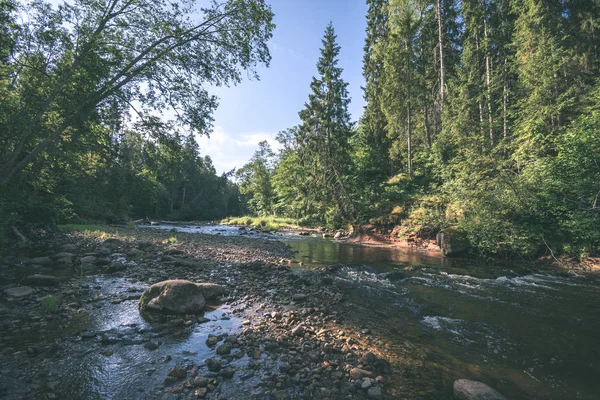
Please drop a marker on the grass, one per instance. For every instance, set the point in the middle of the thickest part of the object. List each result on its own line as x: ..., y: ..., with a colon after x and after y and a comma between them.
x: 101, y: 232
x: 264, y: 223
x: 81, y: 227
x: 49, y: 303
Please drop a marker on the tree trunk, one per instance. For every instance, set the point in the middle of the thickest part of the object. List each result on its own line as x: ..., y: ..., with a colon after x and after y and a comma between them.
x: 488, y: 73
x: 505, y: 102
x: 438, y: 7
x: 426, y: 123
x: 409, y: 134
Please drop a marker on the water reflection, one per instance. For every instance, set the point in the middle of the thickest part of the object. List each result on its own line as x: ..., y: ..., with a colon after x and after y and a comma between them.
x: 315, y: 251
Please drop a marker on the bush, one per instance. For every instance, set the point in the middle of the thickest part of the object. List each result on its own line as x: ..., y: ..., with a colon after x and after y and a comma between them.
x: 49, y: 303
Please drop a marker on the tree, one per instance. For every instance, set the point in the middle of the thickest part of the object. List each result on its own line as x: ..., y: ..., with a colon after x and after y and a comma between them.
x: 97, y: 58
x: 371, y: 145
x: 399, y: 55
x: 324, y: 135
x: 255, y: 180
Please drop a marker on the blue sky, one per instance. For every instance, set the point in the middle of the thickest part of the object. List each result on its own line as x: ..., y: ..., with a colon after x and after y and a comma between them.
x: 257, y: 110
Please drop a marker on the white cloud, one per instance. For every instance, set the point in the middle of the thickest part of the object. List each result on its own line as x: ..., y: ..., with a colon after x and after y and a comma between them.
x: 233, y: 150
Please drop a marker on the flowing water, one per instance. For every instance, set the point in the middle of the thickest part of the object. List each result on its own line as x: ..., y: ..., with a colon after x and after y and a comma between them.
x: 529, y: 334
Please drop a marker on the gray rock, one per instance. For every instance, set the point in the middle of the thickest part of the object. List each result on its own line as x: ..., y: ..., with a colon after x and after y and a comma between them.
x: 115, y: 267
x: 174, y: 297
x: 211, y: 290
x: 393, y: 276
x: 64, y: 262
x: 112, y: 243
x: 298, y: 330
x: 68, y: 247
x: 368, y: 358
x: 200, y: 381
x: 42, y: 280
x: 151, y: 345
x: 213, y: 365
x: 357, y: 373
x: 465, y: 389
x: 135, y: 253
x: 299, y: 297
x: 189, y: 263
x: 41, y: 261
x: 177, y: 372
x: 63, y: 254
x: 227, y: 373
x: 374, y: 393
x: 337, y: 235
x: 19, y: 291
x: 224, y: 349
x: 212, y: 340
x: 88, y: 260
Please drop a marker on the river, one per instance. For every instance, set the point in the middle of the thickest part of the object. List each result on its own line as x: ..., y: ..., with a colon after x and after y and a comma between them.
x: 530, y: 334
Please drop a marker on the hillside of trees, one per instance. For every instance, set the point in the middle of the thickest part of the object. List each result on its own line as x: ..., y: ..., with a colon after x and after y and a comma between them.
x: 83, y: 89
x: 482, y: 117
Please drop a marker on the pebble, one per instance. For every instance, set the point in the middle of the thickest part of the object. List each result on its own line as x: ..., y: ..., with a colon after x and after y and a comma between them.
x: 213, y: 365
x: 298, y: 330
x: 375, y: 393
x: 200, y: 381
x: 151, y: 345
x: 177, y: 372
x: 358, y: 373
x: 224, y: 349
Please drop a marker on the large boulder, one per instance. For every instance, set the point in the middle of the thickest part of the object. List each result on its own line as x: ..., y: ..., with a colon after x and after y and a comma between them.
x: 452, y: 242
x: 178, y: 297
x: 465, y: 389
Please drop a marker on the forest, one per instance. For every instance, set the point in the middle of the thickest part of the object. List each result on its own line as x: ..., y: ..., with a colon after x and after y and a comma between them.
x: 481, y: 118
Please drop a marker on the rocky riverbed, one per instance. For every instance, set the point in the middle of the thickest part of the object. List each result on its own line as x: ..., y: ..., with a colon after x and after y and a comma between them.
x: 70, y: 327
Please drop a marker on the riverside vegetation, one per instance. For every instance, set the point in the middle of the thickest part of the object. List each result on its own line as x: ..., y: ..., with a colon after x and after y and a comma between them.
x: 482, y: 118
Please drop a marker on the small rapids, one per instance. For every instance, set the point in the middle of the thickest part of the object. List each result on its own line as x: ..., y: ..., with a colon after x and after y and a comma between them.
x: 529, y: 334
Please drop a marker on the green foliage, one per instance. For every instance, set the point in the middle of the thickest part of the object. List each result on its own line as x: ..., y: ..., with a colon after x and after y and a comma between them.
x: 255, y: 180
x: 267, y: 223
x: 69, y: 75
x: 49, y: 303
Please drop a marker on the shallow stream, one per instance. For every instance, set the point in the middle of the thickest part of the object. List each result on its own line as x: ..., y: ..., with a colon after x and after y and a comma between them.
x: 530, y: 334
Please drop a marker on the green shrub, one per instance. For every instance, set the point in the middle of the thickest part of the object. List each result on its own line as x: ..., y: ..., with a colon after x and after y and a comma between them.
x: 49, y: 303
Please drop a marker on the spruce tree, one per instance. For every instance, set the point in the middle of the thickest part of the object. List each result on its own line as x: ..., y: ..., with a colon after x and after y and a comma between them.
x: 325, y: 134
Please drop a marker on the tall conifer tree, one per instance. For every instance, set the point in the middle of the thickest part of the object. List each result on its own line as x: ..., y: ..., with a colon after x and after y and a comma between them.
x: 325, y: 134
